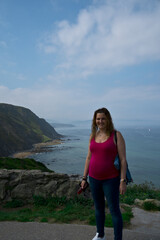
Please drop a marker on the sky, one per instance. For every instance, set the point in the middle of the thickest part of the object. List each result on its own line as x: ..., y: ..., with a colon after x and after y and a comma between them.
x: 63, y: 59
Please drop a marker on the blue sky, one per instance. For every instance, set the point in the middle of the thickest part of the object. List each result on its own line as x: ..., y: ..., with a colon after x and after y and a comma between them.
x: 63, y: 59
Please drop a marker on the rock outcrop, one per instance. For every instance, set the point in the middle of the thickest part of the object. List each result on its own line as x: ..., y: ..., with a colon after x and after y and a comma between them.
x: 141, y: 203
x: 24, y: 184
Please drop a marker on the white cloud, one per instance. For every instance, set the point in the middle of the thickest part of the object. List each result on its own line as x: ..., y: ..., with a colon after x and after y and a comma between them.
x: 113, y: 34
x: 63, y: 105
x: 136, y: 94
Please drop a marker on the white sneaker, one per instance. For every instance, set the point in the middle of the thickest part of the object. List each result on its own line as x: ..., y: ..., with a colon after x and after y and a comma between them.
x: 98, y: 238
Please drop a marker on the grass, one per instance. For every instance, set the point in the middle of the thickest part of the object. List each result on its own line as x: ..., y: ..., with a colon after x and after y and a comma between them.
x: 25, y: 164
x: 149, y: 206
x: 62, y: 210
x: 45, y: 138
x: 14, y: 204
x: 77, y: 210
x: 141, y: 191
x: 59, y: 210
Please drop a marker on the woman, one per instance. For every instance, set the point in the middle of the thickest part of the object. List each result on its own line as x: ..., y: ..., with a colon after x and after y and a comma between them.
x: 105, y: 180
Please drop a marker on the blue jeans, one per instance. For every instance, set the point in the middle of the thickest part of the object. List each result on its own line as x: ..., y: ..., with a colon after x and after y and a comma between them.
x: 110, y: 189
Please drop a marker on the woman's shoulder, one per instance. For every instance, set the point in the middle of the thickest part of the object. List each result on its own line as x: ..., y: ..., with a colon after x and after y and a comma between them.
x: 118, y: 134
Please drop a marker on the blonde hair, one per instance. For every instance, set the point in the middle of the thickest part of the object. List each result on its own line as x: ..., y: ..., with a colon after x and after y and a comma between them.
x: 110, y: 125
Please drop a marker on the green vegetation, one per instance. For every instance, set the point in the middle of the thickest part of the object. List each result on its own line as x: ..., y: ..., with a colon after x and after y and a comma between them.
x: 63, y: 210
x: 14, y: 204
x: 45, y: 138
x: 149, y: 206
x: 36, y: 129
x: 59, y: 210
x: 26, y: 164
x: 20, y: 128
x: 141, y: 191
x: 77, y: 210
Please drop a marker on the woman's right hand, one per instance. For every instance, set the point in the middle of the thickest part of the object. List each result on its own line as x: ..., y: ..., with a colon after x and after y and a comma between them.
x: 83, y: 184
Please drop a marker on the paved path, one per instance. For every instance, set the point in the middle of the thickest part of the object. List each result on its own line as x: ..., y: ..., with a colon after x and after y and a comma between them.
x: 44, y: 231
x: 146, y: 221
x: 144, y: 226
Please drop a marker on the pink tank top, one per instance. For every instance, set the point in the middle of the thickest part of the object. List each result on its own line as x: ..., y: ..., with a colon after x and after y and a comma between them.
x: 102, y: 159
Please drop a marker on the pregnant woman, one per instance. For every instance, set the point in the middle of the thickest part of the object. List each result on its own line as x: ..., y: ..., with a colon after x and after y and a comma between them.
x: 105, y: 180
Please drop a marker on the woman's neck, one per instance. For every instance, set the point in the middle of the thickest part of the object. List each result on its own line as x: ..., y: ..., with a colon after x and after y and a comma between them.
x: 103, y: 132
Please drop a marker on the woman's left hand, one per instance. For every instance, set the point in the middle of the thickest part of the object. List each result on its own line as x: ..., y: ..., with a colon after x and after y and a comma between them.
x: 122, y: 188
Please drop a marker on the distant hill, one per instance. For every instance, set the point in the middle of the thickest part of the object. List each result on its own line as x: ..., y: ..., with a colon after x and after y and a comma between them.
x: 20, y: 128
x: 63, y: 125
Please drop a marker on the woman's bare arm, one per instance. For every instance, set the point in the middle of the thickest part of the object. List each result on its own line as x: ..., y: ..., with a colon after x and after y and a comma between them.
x: 122, y: 156
x: 86, y: 167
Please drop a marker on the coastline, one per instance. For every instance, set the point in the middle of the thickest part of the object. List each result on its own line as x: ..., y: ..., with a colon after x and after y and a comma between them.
x: 38, y: 148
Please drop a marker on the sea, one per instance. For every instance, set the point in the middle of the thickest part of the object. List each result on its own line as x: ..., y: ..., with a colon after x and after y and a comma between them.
x: 142, y: 149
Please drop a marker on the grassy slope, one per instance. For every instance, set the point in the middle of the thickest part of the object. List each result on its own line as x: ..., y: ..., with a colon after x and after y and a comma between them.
x: 26, y: 163
x: 20, y: 128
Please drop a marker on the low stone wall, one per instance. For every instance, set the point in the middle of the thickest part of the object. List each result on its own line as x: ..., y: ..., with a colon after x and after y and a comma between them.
x: 24, y: 184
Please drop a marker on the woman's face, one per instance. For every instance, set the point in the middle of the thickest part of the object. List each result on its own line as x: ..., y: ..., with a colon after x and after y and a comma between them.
x: 101, y: 121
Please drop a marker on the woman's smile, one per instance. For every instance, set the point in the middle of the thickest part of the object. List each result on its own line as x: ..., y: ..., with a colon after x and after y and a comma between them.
x: 101, y: 120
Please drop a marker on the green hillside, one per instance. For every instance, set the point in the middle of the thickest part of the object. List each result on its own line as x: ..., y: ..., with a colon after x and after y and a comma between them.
x: 24, y: 164
x: 20, y: 128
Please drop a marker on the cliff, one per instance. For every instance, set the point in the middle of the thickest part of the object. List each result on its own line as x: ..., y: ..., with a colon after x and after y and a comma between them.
x: 20, y: 128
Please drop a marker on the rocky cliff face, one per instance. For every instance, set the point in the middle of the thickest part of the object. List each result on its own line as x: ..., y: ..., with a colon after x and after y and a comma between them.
x: 24, y: 184
x: 20, y: 128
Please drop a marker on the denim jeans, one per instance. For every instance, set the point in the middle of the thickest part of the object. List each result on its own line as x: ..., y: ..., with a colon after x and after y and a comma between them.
x: 108, y: 189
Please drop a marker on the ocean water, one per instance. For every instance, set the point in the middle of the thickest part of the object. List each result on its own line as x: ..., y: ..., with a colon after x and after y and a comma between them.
x: 142, y: 148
